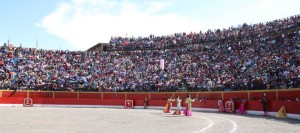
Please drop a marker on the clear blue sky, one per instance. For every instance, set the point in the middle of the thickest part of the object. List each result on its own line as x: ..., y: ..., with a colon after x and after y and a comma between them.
x: 79, y: 24
x: 18, y: 18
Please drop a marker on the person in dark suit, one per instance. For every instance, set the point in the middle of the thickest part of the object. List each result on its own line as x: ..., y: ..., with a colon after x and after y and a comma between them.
x: 265, y: 103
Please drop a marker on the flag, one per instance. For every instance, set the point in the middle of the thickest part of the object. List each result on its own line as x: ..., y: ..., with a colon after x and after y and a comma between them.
x: 162, y: 64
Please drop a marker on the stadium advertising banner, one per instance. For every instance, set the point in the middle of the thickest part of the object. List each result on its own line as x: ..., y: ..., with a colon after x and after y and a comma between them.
x: 162, y: 64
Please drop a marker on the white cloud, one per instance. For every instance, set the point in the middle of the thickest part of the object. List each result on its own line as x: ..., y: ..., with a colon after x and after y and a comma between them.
x: 84, y: 23
x: 268, y: 10
x: 265, y: 3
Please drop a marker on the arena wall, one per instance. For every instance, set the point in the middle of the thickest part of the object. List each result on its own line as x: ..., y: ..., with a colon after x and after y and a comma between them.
x: 156, y: 98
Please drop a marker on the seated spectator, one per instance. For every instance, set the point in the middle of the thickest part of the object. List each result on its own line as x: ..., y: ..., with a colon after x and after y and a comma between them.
x: 258, y: 56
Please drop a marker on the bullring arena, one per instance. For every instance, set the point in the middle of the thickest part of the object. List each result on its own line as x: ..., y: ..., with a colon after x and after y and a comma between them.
x: 243, y: 79
x: 75, y: 112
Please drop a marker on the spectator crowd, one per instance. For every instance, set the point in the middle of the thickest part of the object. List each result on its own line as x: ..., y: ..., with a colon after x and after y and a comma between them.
x: 231, y: 34
x: 259, y: 56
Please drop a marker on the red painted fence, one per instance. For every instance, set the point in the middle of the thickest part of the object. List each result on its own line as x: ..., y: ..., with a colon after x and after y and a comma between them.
x: 156, y: 99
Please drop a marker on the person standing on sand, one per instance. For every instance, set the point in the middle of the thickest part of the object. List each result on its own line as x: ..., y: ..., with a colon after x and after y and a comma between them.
x: 145, y: 103
x: 168, y: 106
x: 221, y: 105
x: 188, y: 108
x: 177, y: 111
x: 265, y: 102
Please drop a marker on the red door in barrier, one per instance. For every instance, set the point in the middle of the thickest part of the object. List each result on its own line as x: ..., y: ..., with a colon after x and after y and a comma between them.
x: 28, y: 102
x: 229, y: 106
x: 128, y: 104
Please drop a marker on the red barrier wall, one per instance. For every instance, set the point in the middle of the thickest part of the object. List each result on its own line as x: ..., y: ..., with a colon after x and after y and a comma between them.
x: 210, y: 96
x: 206, y: 104
x: 230, y: 95
x: 84, y: 101
x: 292, y: 94
x: 14, y: 94
x: 65, y: 94
x: 160, y: 96
x: 90, y: 95
x: 156, y: 99
x: 11, y: 100
x: 185, y: 94
x: 181, y: 95
x: 157, y: 103
x: 291, y: 107
x: 41, y: 95
x: 137, y: 96
x: 113, y: 96
x: 258, y: 95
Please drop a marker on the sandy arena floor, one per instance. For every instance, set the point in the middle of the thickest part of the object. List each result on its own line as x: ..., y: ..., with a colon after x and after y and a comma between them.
x: 102, y: 120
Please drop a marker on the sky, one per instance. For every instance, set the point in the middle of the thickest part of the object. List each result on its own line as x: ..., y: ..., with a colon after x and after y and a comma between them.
x: 80, y: 24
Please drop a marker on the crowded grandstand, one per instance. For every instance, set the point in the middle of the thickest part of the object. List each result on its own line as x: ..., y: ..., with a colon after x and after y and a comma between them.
x: 245, y: 57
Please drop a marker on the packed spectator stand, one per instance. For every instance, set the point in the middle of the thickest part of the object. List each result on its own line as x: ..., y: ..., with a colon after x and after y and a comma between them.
x: 247, y: 57
x: 242, y: 32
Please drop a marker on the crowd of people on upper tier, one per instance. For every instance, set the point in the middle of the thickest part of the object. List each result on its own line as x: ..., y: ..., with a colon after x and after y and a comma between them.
x: 244, y: 31
x: 271, y: 61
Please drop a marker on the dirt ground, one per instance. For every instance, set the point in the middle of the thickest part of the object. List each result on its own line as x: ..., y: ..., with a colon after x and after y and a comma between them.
x: 104, y: 120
